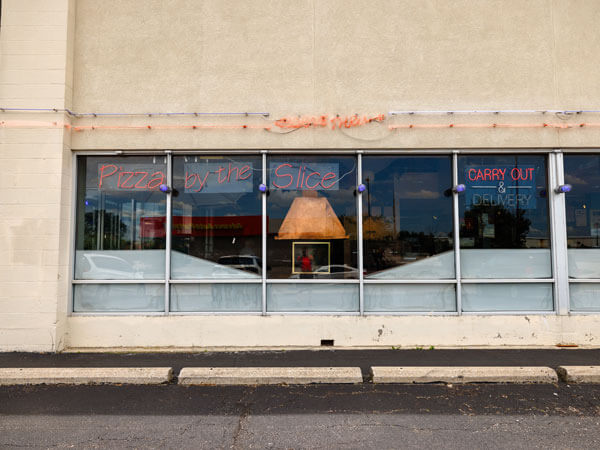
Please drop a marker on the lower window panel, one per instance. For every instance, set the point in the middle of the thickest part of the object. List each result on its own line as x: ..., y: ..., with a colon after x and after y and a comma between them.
x: 507, y: 297
x: 410, y: 297
x: 232, y: 297
x: 118, y: 297
x: 584, y: 296
x: 312, y: 297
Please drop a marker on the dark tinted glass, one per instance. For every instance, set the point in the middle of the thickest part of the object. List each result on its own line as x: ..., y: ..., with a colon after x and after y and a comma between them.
x: 583, y: 202
x: 217, y: 217
x: 120, y: 217
x: 407, y: 217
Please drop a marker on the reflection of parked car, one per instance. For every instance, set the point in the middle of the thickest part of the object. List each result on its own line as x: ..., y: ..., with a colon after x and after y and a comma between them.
x: 106, y: 267
x: 334, y: 271
x: 248, y: 263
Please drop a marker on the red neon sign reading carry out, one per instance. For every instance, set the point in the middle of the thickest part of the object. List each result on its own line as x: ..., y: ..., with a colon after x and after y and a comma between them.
x: 129, y: 177
x: 304, y: 176
x: 501, y: 174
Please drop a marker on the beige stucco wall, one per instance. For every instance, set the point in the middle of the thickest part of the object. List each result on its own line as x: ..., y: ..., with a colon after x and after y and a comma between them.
x: 346, y: 331
x: 337, y: 57
x: 306, y: 57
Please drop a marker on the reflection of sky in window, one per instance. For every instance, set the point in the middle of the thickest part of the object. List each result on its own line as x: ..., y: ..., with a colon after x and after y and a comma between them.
x: 583, y: 202
x: 416, y: 185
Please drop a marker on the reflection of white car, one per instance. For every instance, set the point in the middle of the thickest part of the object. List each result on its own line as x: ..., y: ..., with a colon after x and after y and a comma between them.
x: 106, y: 267
x: 334, y: 271
x: 248, y: 263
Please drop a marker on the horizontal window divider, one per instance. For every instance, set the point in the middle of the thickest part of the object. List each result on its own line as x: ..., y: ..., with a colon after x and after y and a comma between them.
x: 506, y: 280
x: 584, y: 313
x: 411, y: 281
x: 118, y: 281
x: 218, y: 281
x: 119, y: 313
x: 411, y: 313
x: 316, y: 152
x: 584, y: 280
x: 313, y: 313
x: 509, y: 313
x: 312, y: 281
x: 215, y: 313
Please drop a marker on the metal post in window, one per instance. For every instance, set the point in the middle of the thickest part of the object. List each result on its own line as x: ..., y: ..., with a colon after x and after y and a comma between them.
x: 264, y: 234
x: 359, y: 240
x: 558, y: 233
x: 168, y: 231
x: 456, y: 223
x: 73, y: 231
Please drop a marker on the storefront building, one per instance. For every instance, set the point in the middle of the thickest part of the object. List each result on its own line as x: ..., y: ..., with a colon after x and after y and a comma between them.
x: 191, y: 175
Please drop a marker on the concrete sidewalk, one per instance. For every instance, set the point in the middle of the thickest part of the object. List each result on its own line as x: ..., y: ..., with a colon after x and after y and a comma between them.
x: 304, y: 366
x: 364, y: 359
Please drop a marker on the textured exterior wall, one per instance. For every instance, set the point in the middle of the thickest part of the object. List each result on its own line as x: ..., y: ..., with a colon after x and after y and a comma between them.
x: 35, y: 174
x: 346, y: 331
x: 337, y: 57
x: 285, y: 58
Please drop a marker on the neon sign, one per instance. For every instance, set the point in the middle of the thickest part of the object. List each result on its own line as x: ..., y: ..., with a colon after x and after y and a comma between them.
x: 136, y: 177
x: 507, y: 186
x: 325, y: 121
x: 300, y: 176
x: 211, y: 178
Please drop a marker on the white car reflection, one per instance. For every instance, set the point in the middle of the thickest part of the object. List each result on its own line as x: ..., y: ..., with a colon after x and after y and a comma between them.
x: 107, y: 267
x: 333, y: 271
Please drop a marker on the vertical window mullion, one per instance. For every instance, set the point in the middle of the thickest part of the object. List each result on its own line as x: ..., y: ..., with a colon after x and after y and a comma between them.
x: 558, y: 234
x: 168, y: 228
x: 359, y: 243
x: 456, y: 223
x: 264, y: 235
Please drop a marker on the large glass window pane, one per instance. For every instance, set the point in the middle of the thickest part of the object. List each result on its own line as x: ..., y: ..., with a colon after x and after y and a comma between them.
x: 504, y: 226
x: 120, y: 218
x: 407, y: 217
x: 507, y: 297
x: 583, y: 216
x: 118, y: 297
x: 409, y: 297
x: 216, y: 297
x: 217, y: 217
x: 584, y: 296
x: 312, y: 297
x: 311, y: 214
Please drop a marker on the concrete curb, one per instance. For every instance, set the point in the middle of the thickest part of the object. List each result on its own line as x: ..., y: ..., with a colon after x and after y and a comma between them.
x: 85, y: 375
x: 268, y: 375
x: 463, y: 375
x: 579, y: 374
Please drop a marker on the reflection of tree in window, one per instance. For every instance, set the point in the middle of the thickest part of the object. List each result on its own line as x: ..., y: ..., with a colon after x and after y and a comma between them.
x: 510, y: 230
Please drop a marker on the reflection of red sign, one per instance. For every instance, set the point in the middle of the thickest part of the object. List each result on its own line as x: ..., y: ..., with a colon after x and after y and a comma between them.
x: 154, y: 227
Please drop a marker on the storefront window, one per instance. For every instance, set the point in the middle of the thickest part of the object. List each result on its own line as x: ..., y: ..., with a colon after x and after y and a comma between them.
x: 504, y: 227
x: 311, y: 216
x: 582, y: 172
x: 407, y: 217
x: 117, y: 199
x: 120, y: 218
x: 217, y: 217
x: 504, y: 230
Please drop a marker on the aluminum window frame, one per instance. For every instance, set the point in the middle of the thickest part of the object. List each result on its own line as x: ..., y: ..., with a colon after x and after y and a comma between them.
x: 559, y: 277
